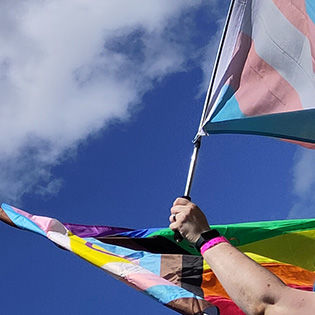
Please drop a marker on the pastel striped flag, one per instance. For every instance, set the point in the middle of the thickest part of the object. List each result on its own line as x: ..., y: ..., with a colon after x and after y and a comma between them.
x: 265, y: 83
x: 174, y: 273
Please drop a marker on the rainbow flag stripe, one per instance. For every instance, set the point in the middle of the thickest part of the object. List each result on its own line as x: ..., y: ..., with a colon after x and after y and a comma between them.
x: 175, y: 274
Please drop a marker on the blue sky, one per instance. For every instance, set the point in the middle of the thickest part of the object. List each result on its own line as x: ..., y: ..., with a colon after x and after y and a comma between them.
x: 99, y: 105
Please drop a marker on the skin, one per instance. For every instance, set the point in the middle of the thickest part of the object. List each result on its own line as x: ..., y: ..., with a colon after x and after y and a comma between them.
x: 253, y: 288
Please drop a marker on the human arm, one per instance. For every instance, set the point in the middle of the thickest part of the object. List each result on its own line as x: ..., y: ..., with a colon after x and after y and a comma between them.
x: 253, y: 288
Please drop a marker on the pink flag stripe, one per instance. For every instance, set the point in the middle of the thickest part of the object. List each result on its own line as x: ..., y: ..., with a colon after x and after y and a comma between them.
x: 144, y: 281
x: 44, y: 223
x: 303, y: 144
x: 273, y: 94
x: 295, y: 12
x: 280, y: 44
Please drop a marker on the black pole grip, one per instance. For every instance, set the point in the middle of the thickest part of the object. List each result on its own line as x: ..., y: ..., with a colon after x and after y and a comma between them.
x: 177, y: 236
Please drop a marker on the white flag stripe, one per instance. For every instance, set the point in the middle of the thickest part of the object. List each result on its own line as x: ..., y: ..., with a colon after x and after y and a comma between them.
x: 273, y: 35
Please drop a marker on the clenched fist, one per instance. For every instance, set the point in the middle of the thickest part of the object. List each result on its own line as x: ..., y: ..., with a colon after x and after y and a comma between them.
x: 188, y: 219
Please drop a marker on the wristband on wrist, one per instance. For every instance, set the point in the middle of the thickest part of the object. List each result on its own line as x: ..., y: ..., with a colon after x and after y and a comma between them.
x: 205, y: 237
x: 212, y: 243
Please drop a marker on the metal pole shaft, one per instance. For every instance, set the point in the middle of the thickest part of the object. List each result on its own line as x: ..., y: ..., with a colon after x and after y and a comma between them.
x: 192, y: 167
x: 197, y: 141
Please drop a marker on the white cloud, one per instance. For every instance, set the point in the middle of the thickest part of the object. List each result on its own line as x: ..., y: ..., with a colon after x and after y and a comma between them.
x: 67, y: 69
x: 304, y: 184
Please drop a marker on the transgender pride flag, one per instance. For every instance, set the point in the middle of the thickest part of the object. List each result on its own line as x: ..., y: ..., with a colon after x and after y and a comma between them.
x: 265, y: 82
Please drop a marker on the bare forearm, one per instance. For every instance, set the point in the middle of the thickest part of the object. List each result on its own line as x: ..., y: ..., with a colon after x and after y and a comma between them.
x: 250, y: 286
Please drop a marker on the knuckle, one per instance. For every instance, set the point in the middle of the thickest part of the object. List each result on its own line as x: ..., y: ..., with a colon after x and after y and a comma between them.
x: 176, y: 201
x: 185, y: 216
x: 190, y: 210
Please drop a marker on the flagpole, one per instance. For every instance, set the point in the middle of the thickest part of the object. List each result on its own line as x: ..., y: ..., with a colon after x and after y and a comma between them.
x: 197, y: 140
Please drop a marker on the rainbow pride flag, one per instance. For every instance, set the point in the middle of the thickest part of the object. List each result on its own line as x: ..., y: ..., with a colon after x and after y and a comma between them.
x: 265, y: 83
x: 175, y: 274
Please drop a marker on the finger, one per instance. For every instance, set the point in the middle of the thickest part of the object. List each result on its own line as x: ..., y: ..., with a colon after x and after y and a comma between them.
x: 174, y: 226
x: 181, y: 202
x: 172, y: 218
x: 177, y: 209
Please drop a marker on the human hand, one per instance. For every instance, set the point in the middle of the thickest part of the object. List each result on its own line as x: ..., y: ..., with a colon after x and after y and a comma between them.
x: 188, y: 219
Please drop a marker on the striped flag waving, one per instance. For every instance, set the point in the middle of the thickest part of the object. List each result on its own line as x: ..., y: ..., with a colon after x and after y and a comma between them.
x: 265, y: 83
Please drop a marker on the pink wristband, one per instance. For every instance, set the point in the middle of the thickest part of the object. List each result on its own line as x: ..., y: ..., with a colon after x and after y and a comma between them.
x: 213, y: 242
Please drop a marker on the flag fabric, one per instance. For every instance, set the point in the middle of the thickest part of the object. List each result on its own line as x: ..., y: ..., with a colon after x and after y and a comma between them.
x: 265, y: 83
x: 175, y: 274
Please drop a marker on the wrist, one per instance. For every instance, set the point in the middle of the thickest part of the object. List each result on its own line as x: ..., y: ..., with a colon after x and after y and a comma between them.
x: 213, y: 242
x: 205, y: 237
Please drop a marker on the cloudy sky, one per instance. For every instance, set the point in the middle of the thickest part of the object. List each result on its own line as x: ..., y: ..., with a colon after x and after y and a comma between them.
x: 99, y: 103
